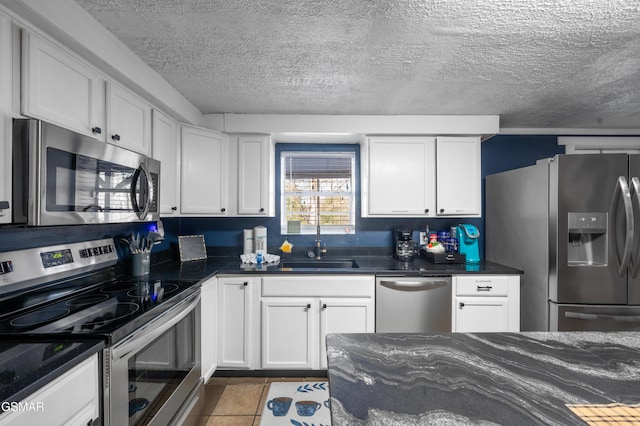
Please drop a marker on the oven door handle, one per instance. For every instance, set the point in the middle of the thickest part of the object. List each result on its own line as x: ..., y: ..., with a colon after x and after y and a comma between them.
x: 149, y: 332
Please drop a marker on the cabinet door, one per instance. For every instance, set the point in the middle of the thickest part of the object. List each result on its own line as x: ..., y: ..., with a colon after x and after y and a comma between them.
x: 458, y: 176
x: 289, y: 330
x: 166, y: 146
x: 59, y: 88
x: 209, y: 327
x: 128, y: 120
x: 234, y: 322
x: 401, y: 176
x: 482, y: 314
x: 203, y: 174
x: 5, y: 118
x: 348, y: 315
x: 256, y: 187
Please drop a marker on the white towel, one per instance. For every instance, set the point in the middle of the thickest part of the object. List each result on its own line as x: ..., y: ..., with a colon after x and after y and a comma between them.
x: 266, y: 258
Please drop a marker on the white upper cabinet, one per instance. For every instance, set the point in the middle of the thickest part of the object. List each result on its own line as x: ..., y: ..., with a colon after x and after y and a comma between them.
x: 203, y: 172
x: 256, y: 176
x: 458, y: 176
x: 166, y: 148
x: 5, y: 118
x: 398, y: 176
x: 59, y: 88
x: 128, y: 120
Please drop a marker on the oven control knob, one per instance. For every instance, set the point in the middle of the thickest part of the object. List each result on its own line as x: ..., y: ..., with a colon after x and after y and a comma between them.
x: 6, y: 267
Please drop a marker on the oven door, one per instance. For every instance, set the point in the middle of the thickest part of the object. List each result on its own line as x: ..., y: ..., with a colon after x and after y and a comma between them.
x: 154, y: 373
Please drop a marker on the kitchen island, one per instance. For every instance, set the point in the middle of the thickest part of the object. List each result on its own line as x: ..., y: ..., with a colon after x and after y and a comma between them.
x: 490, y: 378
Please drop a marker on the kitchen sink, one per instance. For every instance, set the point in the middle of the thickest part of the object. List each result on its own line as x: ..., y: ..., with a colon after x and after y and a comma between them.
x: 320, y: 263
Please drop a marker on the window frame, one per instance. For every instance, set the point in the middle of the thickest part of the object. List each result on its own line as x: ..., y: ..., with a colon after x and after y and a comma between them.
x: 341, y: 150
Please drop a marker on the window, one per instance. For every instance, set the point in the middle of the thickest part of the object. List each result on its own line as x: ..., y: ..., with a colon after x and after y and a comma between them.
x: 317, y: 188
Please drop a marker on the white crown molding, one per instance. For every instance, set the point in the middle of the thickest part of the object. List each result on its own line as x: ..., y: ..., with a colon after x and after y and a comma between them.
x: 568, y: 131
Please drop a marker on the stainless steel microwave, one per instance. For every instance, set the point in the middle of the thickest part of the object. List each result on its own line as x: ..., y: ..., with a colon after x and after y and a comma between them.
x: 63, y: 178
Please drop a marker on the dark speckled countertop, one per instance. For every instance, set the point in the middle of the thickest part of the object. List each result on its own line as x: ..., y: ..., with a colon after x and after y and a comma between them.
x: 26, y: 366
x: 378, y: 265
x: 484, y: 378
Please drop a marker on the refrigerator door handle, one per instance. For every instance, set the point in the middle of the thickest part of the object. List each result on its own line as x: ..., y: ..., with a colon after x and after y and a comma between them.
x: 622, y: 189
x: 634, y: 264
x: 586, y: 316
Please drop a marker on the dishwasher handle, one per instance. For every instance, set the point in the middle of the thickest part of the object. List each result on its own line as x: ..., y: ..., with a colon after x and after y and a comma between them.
x: 415, y: 285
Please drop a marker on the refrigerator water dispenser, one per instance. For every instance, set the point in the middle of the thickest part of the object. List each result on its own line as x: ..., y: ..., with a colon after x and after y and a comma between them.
x: 587, y: 242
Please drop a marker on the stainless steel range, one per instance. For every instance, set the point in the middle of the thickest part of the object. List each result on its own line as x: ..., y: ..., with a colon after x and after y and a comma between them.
x: 151, y: 364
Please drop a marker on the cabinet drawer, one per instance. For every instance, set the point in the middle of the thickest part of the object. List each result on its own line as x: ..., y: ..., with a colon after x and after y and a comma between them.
x: 479, y: 285
x: 318, y: 286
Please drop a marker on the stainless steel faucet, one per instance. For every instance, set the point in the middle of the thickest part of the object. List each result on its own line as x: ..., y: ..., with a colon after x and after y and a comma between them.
x: 320, y: 250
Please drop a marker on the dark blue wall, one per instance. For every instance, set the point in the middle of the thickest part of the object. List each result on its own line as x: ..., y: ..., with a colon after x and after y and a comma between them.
x: 502, y: 152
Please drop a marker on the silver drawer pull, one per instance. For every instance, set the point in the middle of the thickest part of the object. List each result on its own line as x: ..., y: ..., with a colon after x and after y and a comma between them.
x: 484, y: 288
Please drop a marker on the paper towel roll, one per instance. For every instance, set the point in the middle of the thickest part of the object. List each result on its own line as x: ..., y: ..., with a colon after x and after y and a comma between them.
x: 260, y: 239
x: 247, y: 238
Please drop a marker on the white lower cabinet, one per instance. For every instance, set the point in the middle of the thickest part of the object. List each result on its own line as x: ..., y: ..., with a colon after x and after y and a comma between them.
x: 237, y: 323
x: 289, y: 327
x: 348, y: 315
x: 208, y: 327
x: 484, y: 303
x: 297, y: 312
x: 71, y: 399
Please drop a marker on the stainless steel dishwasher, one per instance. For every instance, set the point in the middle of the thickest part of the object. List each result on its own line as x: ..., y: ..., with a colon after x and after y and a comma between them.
x: 413, y: 304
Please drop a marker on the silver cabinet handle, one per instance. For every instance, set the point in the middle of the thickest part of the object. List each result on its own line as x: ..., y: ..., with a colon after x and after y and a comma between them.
x: 622, y: 189
x: 484, y: 288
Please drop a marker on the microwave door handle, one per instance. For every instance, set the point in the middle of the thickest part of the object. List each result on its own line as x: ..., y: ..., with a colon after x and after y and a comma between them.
x: 141, y: 212
x: 634, y: 264
x: 622, y: 190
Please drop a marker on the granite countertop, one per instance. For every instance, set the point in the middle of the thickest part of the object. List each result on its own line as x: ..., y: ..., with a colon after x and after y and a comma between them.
x: 378, y: 265
x: 26, y: 366
x: 490, y: 378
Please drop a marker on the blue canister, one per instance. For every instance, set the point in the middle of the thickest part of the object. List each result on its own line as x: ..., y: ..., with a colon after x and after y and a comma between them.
x: 443, y: 236
x: 451, y: 245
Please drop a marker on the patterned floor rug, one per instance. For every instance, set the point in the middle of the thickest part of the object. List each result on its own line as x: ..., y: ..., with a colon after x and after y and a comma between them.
x: 297, y: 404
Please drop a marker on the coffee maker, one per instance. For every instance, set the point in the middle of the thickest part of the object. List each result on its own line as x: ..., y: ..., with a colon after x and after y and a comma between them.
x: 405, y: 247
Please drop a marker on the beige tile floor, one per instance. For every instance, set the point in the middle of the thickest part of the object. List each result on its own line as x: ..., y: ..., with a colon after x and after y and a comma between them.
x: 238, y: 401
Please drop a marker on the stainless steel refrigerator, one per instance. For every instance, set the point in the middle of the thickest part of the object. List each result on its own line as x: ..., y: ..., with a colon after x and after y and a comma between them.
x: 572, y: 224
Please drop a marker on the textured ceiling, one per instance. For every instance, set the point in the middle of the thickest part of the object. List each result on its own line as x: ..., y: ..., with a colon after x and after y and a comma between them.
x: 536, y: 63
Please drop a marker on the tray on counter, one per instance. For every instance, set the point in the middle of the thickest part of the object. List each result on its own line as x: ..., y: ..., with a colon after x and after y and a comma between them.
x: 443, y: 257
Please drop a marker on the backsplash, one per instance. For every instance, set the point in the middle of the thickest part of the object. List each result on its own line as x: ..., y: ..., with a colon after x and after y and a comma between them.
x: 502, y: 152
